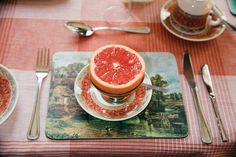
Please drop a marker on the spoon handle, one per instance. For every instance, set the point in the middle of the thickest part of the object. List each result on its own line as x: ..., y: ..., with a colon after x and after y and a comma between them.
x: 223, y: 19
x: 230, y: 26
x: 143, y: 30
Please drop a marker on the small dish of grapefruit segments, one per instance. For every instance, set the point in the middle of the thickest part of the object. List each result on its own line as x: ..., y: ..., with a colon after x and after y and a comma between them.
x: 110, y: 87
x: 8, y: 93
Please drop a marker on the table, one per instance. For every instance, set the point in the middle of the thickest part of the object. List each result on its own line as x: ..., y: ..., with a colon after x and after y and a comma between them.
x: 26, y: 25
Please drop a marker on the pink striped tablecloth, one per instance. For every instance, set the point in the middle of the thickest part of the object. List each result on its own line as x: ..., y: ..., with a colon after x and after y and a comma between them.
x: 26, y: 25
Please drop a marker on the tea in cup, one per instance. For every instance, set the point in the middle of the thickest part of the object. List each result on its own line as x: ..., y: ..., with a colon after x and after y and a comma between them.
x: 193, y: 16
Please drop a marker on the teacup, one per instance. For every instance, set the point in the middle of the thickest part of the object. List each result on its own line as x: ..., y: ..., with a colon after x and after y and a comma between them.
x: 193, y: 16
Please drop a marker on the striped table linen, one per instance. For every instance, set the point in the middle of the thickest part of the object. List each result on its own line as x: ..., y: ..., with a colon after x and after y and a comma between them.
x: 26, y: 25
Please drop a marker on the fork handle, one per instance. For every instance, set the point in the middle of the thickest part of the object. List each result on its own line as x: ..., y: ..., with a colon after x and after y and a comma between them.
x: 33, y: 131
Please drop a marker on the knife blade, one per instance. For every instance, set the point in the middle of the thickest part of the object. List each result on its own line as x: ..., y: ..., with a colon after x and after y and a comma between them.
x: 204, y: 129
x: 206, y: 76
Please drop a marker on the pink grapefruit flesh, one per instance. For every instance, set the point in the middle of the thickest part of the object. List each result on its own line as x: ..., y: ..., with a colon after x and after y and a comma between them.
x: 116, y: 69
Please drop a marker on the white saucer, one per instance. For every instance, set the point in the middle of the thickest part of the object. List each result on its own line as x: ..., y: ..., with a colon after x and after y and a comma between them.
x: 210, y: 34
x: 91, y: 101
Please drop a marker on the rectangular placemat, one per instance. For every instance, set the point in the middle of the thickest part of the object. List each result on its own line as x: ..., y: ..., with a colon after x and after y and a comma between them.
x: 164, y: 117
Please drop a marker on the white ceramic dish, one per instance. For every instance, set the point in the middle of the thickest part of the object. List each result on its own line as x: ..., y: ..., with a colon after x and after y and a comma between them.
x: 5, y: 72
x: 91, y: 101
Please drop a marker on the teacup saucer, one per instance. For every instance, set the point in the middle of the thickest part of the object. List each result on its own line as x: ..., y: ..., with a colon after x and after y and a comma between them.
x: 91, y: 100
x: 209, y: 34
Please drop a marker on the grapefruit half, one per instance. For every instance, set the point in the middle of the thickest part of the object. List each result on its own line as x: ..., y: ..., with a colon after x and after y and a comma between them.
x: 116, y: 69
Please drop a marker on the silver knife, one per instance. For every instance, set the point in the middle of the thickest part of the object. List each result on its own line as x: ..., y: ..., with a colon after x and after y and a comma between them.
x: 208, y: 82
x: 205, y: 132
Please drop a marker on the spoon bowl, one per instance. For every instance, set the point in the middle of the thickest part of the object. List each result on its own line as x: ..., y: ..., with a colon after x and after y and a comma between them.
x: 80, y: 28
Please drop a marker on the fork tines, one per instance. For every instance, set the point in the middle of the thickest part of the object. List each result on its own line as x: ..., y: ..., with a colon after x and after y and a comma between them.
x: 43, y: 58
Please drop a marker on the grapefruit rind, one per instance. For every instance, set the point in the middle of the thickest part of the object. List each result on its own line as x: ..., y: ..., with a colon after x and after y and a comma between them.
x: 116, y: 89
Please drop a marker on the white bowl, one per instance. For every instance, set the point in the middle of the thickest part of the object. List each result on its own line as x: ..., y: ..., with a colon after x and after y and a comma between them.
x: 14, y: 93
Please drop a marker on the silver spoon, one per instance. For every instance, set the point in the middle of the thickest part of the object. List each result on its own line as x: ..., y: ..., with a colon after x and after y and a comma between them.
x: 223, y: 19
x: 86, y: 30
x: 149, y: 86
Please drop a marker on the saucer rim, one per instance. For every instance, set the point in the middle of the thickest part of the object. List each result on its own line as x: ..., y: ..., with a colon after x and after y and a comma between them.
x: 142, y: 107
x: 169, y: 2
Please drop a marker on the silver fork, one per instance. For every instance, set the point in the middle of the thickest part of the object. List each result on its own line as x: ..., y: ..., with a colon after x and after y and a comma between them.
x: 42, y: 68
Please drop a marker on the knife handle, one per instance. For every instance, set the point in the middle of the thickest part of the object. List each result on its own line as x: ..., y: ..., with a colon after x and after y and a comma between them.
x: 219, y: 121
x: 203, y: 126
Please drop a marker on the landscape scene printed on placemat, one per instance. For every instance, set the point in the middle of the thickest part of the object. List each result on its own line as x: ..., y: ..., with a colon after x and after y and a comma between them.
x: 164, y: 117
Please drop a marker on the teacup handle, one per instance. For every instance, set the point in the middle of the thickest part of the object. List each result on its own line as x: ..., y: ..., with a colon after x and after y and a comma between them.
x: 212, y: 22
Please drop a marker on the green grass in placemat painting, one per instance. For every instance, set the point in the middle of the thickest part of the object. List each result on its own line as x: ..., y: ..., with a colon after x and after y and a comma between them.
x: 164, y: 117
